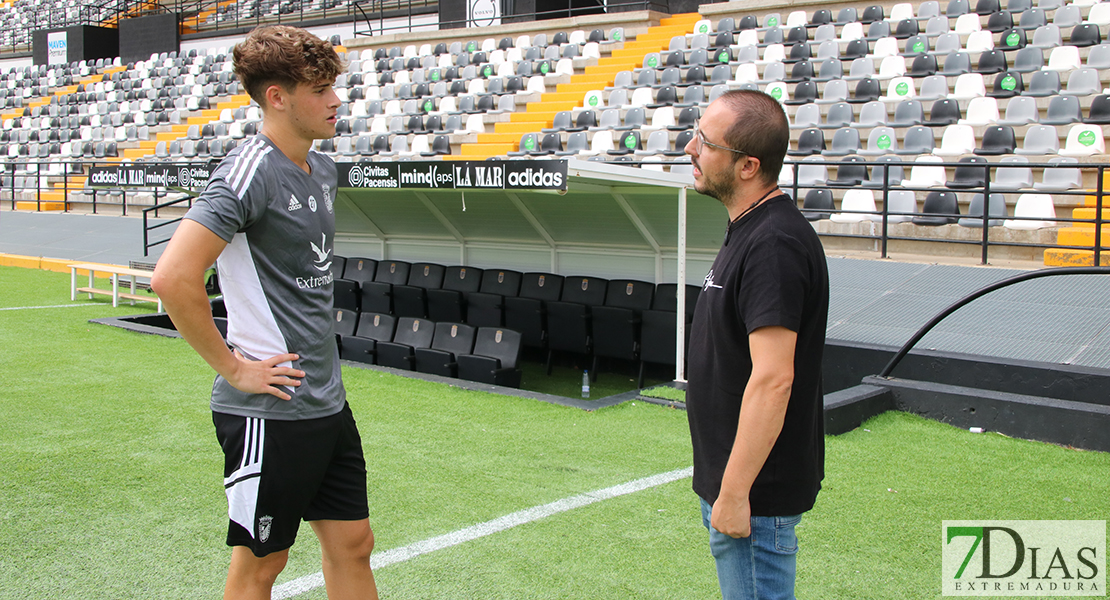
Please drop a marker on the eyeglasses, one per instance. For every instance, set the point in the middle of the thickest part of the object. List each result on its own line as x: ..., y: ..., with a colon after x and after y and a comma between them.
x: 704, y: 142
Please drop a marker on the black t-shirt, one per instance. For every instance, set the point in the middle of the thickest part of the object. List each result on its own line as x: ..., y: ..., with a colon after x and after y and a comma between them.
x: 770, y: 271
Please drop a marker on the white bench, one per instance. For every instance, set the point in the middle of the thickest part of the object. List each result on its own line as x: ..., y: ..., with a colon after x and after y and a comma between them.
x: 114, y: 273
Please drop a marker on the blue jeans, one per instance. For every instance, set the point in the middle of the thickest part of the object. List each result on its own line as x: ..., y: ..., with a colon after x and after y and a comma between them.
x: 758, y: 567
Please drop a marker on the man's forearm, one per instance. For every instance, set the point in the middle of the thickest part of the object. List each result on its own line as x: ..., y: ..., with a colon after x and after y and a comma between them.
x: 761, y: 418
x: 186, y: 302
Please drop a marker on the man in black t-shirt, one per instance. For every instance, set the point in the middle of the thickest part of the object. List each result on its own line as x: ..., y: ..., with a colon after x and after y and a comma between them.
x: 754, y: 396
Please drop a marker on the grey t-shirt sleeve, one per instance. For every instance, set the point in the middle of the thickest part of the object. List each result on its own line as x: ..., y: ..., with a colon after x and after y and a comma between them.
x: 223, y: 210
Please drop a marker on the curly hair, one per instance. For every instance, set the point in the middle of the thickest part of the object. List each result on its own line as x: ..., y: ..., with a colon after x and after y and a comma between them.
x: 285, y: 56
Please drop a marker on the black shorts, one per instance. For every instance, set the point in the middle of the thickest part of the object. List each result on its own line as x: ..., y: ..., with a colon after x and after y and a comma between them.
x: 279, y: 472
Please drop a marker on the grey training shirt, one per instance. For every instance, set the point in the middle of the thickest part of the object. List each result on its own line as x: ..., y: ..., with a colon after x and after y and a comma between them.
x: 275, y: 274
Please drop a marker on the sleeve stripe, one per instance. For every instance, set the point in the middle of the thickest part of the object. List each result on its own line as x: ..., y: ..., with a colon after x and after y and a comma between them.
x: 242, y: 174
x: 242, y: 158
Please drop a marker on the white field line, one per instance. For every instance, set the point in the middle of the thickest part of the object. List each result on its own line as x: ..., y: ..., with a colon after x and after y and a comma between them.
x: 54, y: 306
x: 384, y: 559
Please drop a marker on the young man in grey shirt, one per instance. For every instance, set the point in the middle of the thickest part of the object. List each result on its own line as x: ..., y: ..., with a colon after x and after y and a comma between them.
x: 292, y: 450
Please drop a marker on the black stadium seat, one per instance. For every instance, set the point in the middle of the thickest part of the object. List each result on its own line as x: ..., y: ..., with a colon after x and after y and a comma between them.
x: 377, y: 295
x: 616, y: 324
x: 485, y: 308
x: 362, y: 346
x: 345, y: 321
x: 659, y: 330
x: 410, y: 300
x: 411, y: 333
x: 346, y: 294
x: 448, y: 303
x: 568, y: 319
x: 449, y: 341
x: 360, y: 269
x: 526, y: 313
x: 495, y: 359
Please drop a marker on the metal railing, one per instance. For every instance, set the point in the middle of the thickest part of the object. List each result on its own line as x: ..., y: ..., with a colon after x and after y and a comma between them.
x: 30, y: 185
x: 196, y: 16
x: 905, y: 349
x: 104, y: 13
x: 148, y: 228
x: 397, y: 11
x: 883, y: 215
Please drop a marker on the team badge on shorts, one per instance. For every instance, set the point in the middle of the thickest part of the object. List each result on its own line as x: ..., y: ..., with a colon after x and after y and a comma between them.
x: 264, y: 528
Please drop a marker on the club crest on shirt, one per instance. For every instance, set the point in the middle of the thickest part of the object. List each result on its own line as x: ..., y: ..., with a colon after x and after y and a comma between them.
x: 328, y: 204
x: 312, y: 203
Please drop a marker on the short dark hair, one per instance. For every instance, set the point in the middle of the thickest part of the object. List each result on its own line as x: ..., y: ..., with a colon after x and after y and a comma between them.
x: 286, y: 56
x: 761, y: 130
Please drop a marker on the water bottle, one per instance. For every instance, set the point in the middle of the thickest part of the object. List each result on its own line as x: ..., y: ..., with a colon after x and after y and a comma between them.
x: 585, y: 383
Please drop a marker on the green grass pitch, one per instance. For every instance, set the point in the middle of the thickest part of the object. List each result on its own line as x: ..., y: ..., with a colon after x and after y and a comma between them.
x: 110, y: 481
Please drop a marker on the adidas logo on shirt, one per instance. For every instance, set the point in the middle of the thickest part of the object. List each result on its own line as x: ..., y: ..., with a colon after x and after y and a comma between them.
x: 294, y: 204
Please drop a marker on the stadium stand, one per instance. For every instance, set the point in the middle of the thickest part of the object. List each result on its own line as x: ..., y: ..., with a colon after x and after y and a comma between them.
x: 931, y: 79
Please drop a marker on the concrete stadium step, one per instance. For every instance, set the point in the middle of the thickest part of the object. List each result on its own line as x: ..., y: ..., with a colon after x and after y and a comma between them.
x: 47, y: 201
x: 1062, y: 257
x: 500, y: 138
x: 1082, y: 236
x: 482, y: 151
x: 146, y: 148
x: 582, y: 88
x: 519, y: 127
x: 533, y: 116
x: 40, y: 206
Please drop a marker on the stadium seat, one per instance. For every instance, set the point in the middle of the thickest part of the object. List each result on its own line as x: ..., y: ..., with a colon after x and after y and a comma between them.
x: 845, y: 141
x: 568, y: 318
x: 923, y: 174
x: 998, y: 140
x: 485, y: 308
x: 448, y: 302
x: 1084, y: 140
x: 400, y: 353
x: 1012, y: 178
x: 344, y: 321
x: 857, y: 205
x: 526, y: 313
x: 970, y: 173
x: 1060, y: 178
x: 974, y: 216
x: 956, y: 141
x: 849, y: 172
x: 1033, y: 211
x: 495, y: 358
x: 818, y: 204
x: 372, y: 328
x: 890, y: 171
x: 1063, y: 110
x: 345, y: 292
x: 908, y: 113
x: 360, y: 269
x: 659, y: 330
x: 939, y: 208
x: 839, y: 115
x: 900, y: 206
x: 449, y: 341
x: 616, y: 324
x: 919, y: 139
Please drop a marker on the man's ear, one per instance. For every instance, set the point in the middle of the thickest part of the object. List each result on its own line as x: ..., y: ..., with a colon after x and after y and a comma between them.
x: 275, y: 96
x: 750, y: 168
